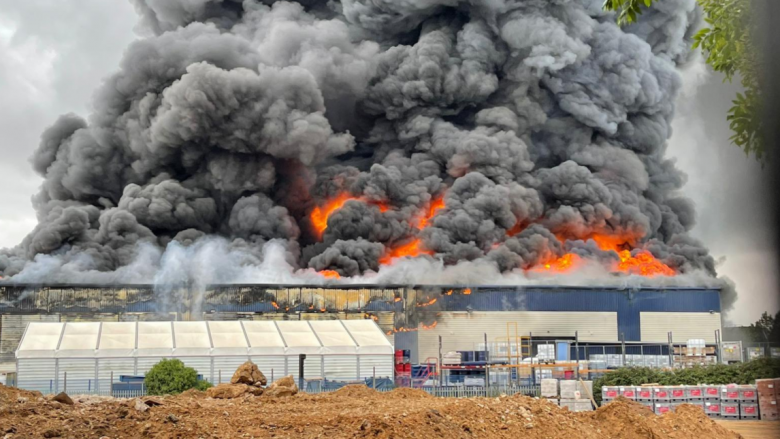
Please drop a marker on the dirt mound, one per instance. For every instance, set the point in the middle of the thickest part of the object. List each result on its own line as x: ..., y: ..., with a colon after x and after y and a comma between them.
x: 248, y: 373
x: 352, y: 412
x: 407, y: 393
x: 283, y: 387
x: 355, y: 391
x: 12, y: 394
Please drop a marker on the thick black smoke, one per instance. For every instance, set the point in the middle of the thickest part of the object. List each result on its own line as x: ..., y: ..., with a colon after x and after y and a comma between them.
x: 538, y: 122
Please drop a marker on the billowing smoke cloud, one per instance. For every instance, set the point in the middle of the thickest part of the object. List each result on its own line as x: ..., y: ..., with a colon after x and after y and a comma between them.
x: 490, y: 136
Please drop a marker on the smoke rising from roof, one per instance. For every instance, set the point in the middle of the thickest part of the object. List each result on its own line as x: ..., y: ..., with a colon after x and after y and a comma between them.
x: 538, y: 123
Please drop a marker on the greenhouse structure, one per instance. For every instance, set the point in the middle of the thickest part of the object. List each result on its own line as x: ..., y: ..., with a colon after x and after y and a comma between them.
x: 93, y: 357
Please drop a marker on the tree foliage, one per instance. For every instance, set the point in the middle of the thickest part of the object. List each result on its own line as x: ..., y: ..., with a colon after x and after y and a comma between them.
x: 170, y: 377
x: 766, y: 329
x: 718, y: 374
x: 728, y: 47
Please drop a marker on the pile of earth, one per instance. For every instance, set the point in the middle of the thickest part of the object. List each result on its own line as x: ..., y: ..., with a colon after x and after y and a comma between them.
x: 352, y: 412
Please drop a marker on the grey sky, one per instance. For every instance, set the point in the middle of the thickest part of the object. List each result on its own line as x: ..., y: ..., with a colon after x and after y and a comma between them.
x: 54, y: 53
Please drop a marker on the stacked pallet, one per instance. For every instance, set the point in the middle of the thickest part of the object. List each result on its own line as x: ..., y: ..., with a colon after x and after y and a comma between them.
x: 768, y: 395
x: 728, y: 402
x: 572, y: 394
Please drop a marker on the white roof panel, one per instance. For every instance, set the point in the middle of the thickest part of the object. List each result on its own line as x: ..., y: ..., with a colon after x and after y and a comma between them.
x: 40, y: 340
x: 263, y: 337
x: 155, y: 339
x: 79, y: 339
x: 117, y: 339
x: 171, y: 339
x: 299, y: 337
x: 334, y: 336
x: 370, y: 339
x: 228, y: 338
x: 191, y: 338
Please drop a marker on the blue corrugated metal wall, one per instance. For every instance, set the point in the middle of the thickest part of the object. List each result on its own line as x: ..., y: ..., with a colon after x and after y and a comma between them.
x: 627, y: 303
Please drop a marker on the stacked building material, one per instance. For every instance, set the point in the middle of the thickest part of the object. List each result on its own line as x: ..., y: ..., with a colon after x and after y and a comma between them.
x: 767, y: 398
x: 576, y: 395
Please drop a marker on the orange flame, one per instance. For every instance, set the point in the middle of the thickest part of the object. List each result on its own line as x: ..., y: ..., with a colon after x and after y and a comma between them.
x: 410, y: 249
x: 431, y: 326
x: 374, y: 318
x: 644, y: 264
x: 397, y: 299
x: 467, y: 291
x: 428, y: 303
x: 448, y: 293
x: 276, y: 306
x: 436, y: 205
x: 330, y: 274
x: 319, y: 215
x: 322, y: 309
x: 563, y: 264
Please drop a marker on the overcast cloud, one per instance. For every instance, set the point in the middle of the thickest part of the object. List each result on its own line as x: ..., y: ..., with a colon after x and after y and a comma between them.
x: 53, y: 53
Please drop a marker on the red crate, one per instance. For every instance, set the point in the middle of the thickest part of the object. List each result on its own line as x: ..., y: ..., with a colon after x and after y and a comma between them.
x: 645, y: 393
x: 712, y: 407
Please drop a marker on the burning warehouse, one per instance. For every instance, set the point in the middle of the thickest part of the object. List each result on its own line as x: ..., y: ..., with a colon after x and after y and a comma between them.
x: 272, y: 159
x: 417, y: 318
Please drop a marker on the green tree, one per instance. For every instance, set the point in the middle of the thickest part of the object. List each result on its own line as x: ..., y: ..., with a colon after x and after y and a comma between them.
x: 728, y: 47
x: 170, y: 377
x: 766, y: 329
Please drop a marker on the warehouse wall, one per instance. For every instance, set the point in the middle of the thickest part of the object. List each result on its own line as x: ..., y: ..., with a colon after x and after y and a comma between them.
x: 464, y: 330
x: 683, y: 325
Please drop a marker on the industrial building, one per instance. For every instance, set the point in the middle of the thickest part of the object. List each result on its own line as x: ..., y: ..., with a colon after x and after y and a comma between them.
x: 414, y: 318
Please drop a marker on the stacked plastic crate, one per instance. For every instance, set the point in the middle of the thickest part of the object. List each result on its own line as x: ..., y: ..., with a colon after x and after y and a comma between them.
x: 711, y: 396
x: 729, y: 402
x: 748, y: 402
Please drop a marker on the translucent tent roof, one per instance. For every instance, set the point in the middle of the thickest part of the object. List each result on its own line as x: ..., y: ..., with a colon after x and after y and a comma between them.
x: 178, y: 339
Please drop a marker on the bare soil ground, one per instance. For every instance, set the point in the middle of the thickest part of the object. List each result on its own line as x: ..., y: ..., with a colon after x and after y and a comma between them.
x: 352, y: 412
x: 753, y: 429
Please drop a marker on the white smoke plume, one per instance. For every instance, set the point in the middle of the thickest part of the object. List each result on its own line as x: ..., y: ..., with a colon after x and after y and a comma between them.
x: 538, y: 125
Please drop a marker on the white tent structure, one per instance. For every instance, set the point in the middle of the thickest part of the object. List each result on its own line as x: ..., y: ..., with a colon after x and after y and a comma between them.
x: 89, y: 355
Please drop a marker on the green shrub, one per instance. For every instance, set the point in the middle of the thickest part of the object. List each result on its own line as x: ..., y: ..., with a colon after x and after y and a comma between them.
x: 169, y: 377
x: 744, y: 373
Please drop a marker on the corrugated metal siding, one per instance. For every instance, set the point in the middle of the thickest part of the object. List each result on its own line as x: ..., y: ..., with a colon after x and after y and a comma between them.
x: 464, y: 331
x: 228, y: 366
x: 341, y: 367
x: 273, y: 364
x: 382, y: 363
x: 683, y: 325
x: 312, y: 367
x: 119, y: 366
x: 12, y: 328
x: 81, y: 375
x: 201, y: 364
x: 146, y: 363
x: 36, y: 374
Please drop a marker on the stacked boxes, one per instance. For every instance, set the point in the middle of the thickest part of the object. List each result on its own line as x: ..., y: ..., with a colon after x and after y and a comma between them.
x: 628, y: 392
x: 712, y: 408
x: 608, y: 393
x: 728, y: 402
x: 575, y: 396
x: 729, y: 410
x: 549, y: 388
x: 572, y: 394
x: 767, y: 398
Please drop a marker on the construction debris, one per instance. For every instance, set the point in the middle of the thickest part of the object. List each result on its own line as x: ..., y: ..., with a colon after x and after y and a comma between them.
x: 248, y: 373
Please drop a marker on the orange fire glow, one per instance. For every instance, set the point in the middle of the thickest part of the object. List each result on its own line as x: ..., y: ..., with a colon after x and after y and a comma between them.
x: 644, y: 264
x: 276, y: 306
x: 397, y: 299
x: 330, y: 274
x: 428, y: 303
x: 322, y: 309
x: 319, y: 215
x: 410, y: 249
x: 563, y: 264
x: 448, y: 293
x: 436, y: 205
x: 431, y: 326
x: 467, y: 291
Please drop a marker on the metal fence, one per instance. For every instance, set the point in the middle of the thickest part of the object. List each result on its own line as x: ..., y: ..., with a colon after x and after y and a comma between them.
x: 104, y: 388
